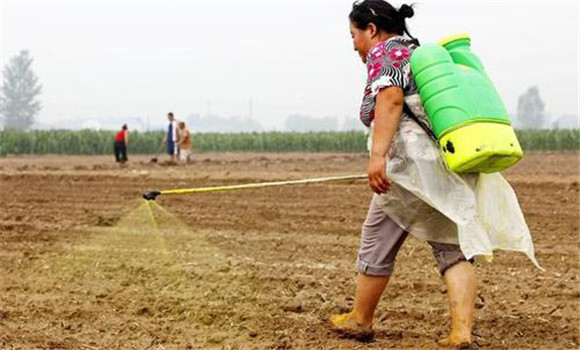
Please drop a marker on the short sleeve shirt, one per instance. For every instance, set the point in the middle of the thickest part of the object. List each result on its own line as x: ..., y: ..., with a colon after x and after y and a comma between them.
x: 120, y: 136
x: 388, y: 64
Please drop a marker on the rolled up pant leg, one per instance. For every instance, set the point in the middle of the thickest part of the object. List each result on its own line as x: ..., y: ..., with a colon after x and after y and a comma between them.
x: 381, y: 240
x: 447, y: 255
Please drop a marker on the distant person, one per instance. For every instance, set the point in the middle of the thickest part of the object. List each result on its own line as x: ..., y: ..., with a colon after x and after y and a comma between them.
x: 172, y: 138
x: 121, y: 144
x: 185, y: 143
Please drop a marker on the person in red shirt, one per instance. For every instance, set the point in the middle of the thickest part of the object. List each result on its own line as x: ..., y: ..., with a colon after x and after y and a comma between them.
x: 121, y: 144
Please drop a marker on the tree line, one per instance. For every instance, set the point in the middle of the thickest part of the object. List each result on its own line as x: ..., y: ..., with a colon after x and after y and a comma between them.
x: 92, y: 142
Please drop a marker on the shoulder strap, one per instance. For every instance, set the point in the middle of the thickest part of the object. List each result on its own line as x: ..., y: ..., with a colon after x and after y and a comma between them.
x: 412, y: 115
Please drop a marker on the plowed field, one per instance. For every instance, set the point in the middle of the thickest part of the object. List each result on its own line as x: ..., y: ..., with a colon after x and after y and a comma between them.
x: 84, y: 264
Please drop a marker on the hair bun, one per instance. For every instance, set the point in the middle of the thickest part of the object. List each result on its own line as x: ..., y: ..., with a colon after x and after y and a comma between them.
x: 406, y: 11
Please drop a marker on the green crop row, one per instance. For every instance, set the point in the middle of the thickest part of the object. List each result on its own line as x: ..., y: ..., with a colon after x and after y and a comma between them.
x: 101, y: 142
x: 549, y: 140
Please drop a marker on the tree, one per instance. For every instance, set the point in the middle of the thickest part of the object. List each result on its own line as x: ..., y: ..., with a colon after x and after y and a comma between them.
x: 531, y: 113
x: 18, y: 94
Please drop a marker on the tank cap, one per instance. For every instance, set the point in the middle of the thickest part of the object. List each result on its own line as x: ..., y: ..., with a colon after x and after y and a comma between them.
x: 452, y: 38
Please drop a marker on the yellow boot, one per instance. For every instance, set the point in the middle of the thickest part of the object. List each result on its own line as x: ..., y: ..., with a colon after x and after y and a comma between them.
x: 461, y: 290
x: 348, y: 327
x: 455, y: 342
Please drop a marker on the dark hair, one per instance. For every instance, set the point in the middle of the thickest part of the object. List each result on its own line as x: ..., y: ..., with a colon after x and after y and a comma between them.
x: 381, y: 14
x: 124, y: 127
x: 170, y: 114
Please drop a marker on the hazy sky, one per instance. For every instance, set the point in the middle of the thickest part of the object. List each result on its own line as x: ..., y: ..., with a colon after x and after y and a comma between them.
x: 101, y: 59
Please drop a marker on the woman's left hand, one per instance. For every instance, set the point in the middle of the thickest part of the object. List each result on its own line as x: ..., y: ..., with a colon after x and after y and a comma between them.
x: 389, y: 105
x: 378, y: 175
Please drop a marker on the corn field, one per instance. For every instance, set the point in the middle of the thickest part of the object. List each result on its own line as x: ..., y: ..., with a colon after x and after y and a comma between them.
x: 90, y: 142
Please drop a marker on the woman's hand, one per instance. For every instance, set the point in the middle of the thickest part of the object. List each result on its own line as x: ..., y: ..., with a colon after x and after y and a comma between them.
x: 388, y: 108
x: 378, y: 175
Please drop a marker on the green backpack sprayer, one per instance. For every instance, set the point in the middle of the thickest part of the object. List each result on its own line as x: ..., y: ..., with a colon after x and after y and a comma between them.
x: 466, y: 113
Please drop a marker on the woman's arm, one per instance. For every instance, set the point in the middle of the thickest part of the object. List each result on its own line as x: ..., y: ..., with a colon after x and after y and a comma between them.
x: 388, y: 109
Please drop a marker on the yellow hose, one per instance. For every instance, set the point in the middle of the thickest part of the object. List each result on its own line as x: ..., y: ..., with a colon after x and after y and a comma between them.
x: 262, y: 184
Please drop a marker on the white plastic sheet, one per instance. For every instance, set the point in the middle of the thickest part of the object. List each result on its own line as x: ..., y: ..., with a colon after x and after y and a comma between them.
x: 480, y: 212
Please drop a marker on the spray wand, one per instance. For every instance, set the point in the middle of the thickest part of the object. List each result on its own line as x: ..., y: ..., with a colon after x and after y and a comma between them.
x: 152, y: 195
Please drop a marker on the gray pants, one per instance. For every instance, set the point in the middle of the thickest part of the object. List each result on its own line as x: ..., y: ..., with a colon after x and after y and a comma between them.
x: 381, y: 240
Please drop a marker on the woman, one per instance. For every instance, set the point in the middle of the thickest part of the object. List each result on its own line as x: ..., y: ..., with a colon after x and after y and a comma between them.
x: 414, y: 191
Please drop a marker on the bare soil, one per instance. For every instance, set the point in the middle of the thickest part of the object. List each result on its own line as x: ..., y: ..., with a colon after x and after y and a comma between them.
x: 84, y: 264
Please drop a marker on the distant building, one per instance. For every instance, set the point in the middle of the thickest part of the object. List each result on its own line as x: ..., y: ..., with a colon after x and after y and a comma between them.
x: 351, y: 123
x: 91, y: 125
x: 567, y: 121
x: 306, y: 123
x: 216, y: 123
x: 103, y: 123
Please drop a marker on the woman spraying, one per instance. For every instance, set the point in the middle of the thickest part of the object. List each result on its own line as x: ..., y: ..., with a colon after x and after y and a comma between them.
x: 414, y: 191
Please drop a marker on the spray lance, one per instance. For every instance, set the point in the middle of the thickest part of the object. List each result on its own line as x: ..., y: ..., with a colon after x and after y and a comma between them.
x: 152, y: 195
